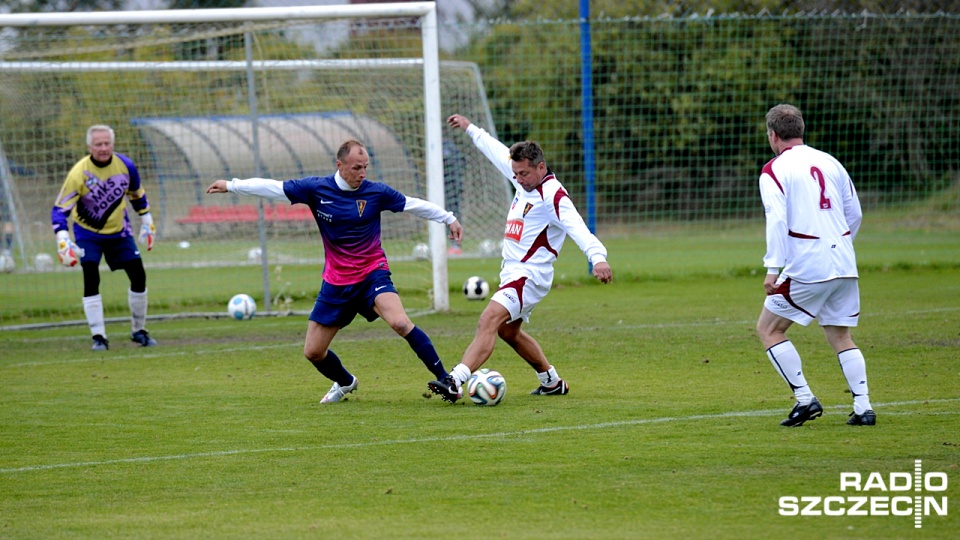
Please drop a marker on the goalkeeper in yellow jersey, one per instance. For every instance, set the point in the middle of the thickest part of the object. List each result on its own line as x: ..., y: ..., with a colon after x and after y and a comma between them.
x: 94, y: 196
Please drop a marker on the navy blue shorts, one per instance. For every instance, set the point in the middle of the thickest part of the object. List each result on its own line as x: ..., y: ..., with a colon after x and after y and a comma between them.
x: 116, y: 250
x: 337, y: 306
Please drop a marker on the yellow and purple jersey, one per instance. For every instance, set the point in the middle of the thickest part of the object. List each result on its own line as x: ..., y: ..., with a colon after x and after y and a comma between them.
x: 95, y: 196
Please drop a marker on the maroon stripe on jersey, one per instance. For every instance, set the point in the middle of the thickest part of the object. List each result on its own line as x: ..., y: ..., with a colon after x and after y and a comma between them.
x: 540, y: 242
x: 768, y: 169
x: 516, y: 285
x: 784, y: 290
x: 846, y: 234
x: 801, y: 235
x: 560, y: 194
x: 547, y: 178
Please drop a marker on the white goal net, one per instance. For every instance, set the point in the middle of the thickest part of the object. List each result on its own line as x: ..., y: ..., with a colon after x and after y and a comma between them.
x: 199, y: 95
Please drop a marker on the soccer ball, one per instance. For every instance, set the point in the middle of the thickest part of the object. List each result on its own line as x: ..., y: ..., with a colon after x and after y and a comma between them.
x: 7, y: 264
x: 487, y: 248
x: 242, y: 307
x: 486, y: 387
x: 43, y: 262
x: 421, y: 252
x: 475, y: 288
x: 254, y: 255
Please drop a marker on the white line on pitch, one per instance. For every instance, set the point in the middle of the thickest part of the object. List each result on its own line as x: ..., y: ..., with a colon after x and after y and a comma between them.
x: 157, y: 355
x: 501, y: 434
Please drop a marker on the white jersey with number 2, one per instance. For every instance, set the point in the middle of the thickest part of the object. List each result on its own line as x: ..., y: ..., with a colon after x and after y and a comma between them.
x: 538, y: 221
x: 813, y: 215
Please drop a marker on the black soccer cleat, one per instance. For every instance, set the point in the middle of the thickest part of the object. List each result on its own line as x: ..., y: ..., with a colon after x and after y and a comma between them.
x: 559, y: 389
x: 100, y: 343
x: 143, y: 338
x: 802, y: 413
x: 447, y: 388
x: 868, y: 418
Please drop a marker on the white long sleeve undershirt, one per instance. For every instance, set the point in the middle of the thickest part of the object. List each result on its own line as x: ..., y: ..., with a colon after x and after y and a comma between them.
x: 258, y: 187
x: 273, y: 190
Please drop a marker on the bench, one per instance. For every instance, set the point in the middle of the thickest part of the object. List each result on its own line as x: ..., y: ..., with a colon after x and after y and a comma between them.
x: 245, y: 213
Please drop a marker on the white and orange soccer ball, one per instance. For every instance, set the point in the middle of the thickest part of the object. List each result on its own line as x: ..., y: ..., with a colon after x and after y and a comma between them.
x: 486, y: 387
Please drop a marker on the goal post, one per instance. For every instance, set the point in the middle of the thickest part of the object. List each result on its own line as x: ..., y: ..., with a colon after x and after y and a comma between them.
x: 196, y: 95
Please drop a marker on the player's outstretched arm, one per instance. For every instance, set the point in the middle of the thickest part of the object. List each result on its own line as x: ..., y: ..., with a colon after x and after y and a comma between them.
x: 456, y: 232
x: 603, y: 272
x: 220, y: 186
x: 459, y: 121
x: 256, y: 187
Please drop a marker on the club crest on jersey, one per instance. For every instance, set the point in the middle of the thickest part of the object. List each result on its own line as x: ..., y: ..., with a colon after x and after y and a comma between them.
x: 361, y: 205
x: 514, y: 230
x: 526, y: 209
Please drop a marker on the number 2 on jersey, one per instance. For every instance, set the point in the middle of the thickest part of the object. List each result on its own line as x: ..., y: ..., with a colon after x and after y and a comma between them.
x: 817, y: 175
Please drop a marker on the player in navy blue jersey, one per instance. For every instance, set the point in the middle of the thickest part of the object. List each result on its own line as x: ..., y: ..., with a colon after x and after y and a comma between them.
x: 356, y: 274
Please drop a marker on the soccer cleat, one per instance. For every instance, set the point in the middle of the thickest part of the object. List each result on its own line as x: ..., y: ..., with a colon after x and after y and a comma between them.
x: 100, y: 343
x: 143, y: 338
x: 868, y: 418
x: 338, y: 392
x: 447, y: 388
x: 802, y: 413
x: 559, y: 389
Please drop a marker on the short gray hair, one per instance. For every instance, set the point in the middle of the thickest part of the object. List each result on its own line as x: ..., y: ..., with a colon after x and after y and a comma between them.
x: 99, y: 127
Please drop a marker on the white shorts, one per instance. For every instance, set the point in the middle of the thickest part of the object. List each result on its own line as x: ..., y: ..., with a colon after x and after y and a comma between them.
x: 833, y: 303
x: 522, y: 287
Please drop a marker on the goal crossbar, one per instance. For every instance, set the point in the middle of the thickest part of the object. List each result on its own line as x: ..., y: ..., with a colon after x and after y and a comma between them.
x: 411, y: 9
x: 426, y: 12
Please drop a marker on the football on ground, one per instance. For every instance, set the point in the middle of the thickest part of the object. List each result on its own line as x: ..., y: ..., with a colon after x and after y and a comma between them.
x: 486, y: 387
x: 242, y: 307
x: 421, y: 252
x: 475, y: 288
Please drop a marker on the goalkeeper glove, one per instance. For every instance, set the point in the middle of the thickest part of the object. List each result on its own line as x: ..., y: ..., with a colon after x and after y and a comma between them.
x: 147, y: 230
x: 68, y: 252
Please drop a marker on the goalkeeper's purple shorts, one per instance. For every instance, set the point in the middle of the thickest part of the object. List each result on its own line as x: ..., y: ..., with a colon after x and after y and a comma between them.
x: 117, y: 250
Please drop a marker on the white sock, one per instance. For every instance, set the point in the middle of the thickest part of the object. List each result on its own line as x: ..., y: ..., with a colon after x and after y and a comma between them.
x: 786, y: 360
x: 93, y: 308
x: 460, y: 373
x: 548, y: 378
x: 138, y: 310
x: 855, y: 370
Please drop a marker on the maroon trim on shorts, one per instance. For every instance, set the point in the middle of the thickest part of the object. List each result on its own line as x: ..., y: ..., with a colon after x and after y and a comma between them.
x: 784, y: 290
x: 516, y: 285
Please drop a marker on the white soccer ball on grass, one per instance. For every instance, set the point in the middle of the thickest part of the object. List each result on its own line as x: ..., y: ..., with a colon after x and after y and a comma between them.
x: 43, y: 262
x: 475, y: 288
x: 488, y: 248
x: 486, y: 387
x: 7, y: 264
x: 242, y: 307
x: 421, y: 252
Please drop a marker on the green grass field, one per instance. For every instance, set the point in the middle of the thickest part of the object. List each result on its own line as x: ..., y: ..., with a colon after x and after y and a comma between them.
x: 653, y: 252
x: 670, y: 430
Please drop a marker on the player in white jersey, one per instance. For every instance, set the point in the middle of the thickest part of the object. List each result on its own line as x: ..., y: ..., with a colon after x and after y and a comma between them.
x: 813, y: 216
x: 541, y: 216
